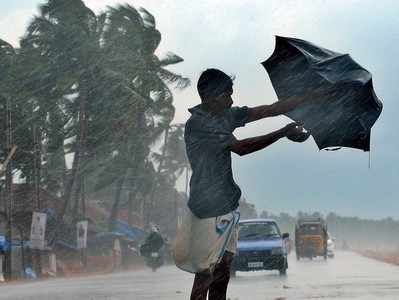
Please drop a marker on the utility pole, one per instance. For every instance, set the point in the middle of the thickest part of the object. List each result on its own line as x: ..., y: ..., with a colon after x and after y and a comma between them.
x: 83, y: 203
x: 37, y: 206
x: 81, y: 172
x: 8, y: 190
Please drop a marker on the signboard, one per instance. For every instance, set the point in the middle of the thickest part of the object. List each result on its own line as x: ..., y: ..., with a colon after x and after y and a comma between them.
x: 38, y: 230
x: 81, y: 230
x: 53, y: 263
x: 117, y: 245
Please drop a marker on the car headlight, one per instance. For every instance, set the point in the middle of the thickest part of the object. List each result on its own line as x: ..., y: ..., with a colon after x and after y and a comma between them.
x: 277, y: 250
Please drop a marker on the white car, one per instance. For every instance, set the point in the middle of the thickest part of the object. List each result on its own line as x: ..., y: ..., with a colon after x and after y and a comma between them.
x: 330, y: 247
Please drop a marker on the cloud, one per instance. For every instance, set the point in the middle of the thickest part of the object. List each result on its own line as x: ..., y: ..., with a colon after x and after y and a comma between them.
x: 13, y: 25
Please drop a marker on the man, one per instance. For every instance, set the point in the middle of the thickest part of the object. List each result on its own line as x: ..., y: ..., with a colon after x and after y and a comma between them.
x: 209, y: 143
x: 153, y: 242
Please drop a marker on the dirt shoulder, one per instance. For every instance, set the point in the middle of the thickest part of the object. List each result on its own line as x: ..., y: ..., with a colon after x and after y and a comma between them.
x: 388, y: 257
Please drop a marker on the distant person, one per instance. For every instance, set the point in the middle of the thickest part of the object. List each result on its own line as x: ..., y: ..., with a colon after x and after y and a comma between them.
x: 153, y: 242
x: 209, y: 142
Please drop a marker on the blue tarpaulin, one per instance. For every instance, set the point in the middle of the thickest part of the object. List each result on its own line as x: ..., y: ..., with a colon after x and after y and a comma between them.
x: 5, y: 244
x: 131, y: 232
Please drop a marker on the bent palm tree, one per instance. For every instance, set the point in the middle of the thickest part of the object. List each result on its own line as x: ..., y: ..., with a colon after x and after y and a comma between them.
x: 133, y: 38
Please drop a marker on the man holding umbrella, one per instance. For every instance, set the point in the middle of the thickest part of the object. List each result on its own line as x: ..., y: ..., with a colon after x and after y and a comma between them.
x: 209, y: 142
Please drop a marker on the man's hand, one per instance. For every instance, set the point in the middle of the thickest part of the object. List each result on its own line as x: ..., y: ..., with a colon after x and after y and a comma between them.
x: 295, y: 132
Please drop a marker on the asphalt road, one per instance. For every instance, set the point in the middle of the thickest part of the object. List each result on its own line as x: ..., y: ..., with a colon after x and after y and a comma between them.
x: 348, y: 276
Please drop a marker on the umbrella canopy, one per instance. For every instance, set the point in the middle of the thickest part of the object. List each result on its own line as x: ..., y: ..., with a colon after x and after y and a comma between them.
x: 342, y: 105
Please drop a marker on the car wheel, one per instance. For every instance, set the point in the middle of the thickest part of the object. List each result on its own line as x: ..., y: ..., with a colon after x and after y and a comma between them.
x: 284, y: 267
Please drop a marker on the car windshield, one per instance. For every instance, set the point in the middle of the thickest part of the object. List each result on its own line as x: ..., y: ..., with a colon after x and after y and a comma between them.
x: 258, y: 230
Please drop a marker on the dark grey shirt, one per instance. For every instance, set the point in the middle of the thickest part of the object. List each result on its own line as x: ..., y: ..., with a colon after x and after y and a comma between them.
x: 213, y: 191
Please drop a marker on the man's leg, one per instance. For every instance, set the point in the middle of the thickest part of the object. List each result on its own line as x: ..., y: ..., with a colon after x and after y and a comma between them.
x: 202, y: 282
x: 221, y: 277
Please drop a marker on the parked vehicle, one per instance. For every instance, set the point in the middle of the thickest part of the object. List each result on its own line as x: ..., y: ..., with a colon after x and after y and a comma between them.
x: 331, y: 247
x: 261, y: 246
x: 311, y: 238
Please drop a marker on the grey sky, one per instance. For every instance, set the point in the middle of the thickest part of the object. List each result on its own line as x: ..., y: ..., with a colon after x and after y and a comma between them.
x: 236, y: 35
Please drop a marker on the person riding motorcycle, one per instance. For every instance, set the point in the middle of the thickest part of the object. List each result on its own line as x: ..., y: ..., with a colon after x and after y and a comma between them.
x: 154, y: 241
x: 152, y: 248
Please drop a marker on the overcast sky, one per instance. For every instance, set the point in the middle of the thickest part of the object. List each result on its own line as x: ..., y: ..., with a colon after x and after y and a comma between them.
x: 236, y: 35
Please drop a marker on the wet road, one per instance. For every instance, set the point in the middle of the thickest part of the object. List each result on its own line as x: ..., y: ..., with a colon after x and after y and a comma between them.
x: 348, y: 276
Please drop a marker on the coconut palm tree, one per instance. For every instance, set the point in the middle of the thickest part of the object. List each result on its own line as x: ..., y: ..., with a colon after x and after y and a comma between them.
x: 64, y: 36
x: 172, y: 163
x: 132, y: 37
x: 98, y: 92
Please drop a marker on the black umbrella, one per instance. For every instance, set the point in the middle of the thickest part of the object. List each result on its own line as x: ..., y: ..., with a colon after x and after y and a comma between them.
x: 342, y: 105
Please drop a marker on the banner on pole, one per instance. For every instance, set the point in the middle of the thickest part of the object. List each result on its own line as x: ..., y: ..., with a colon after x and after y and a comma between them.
x: 81, y: 229
x: 53, y: 264
x: 38, y: 230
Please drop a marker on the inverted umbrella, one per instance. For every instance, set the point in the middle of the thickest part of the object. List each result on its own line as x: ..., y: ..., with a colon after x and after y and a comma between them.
x: 340, y: 105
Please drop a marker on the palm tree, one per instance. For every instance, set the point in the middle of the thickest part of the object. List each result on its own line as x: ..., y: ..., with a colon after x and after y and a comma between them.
x: 172, y: 163
x: 64, y: 36
x: 96, y: 91
x: 7, y: 58
x: 173, y: 160
x: 132, y: 37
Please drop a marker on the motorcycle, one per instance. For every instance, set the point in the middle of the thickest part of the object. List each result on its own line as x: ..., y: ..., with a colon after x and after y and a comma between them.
x: 154, y: 259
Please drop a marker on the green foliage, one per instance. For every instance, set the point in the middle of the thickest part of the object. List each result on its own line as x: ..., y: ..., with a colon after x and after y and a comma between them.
x: 95, y: 93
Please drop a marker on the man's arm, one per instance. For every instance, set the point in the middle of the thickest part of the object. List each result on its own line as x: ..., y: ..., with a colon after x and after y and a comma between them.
x: 272, y: 110
x: 249, y: 145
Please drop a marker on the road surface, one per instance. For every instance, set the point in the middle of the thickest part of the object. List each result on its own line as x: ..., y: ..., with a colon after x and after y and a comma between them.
x: 348, y: 276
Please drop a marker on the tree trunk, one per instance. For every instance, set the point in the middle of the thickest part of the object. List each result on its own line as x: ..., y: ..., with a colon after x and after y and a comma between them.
x: 115, y: 206
x: 83, y: 196
x: 36, y: 166
x: 54, y: 170
x: 150, y: 200
x: 38, y: 205
x: 77, y: 198
x: 130, y: 208
x: 69, y: 186
x: 8, y: 204
x: 77, y: 160
x: 79, y: 155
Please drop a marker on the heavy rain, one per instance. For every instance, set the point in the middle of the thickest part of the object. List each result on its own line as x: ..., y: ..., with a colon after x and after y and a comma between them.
x: 198, y: 150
